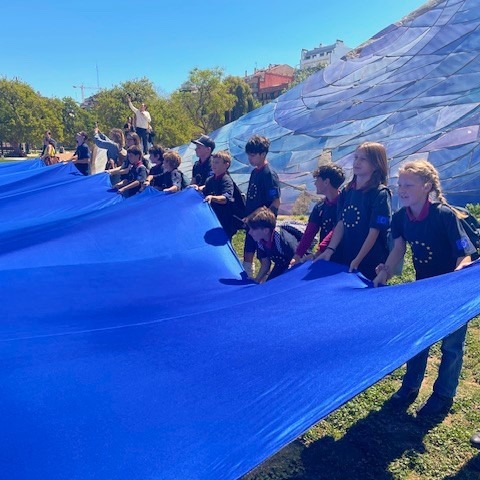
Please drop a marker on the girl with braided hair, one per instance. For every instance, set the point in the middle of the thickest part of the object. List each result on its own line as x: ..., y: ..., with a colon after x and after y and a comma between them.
x: 439, y: 245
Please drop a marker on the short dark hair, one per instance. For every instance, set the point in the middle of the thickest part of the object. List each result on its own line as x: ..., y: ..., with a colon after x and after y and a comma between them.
x: 257, y: 144
x: 262, y: 217
x: 333, y: 172
x: 157, y: 150
x: 135, y: 149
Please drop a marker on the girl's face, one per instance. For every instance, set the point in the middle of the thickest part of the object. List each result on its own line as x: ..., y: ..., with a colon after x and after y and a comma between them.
x: 412, y: 190
x: 362, y: 167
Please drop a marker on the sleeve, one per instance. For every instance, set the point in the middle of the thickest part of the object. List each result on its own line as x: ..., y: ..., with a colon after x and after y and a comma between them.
x: 382, y: 210
x: 272, y: 186
x: 102, y: 141
x: 177, y: 179
x: 227, y: 188
x: 458, y: 238
x: 141, y: 174
x: 397, y: 224
x: 307, y: 238
x: 316, y: 215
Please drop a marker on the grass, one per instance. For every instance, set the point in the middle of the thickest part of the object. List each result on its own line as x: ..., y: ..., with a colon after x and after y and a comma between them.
x: 367, y: 440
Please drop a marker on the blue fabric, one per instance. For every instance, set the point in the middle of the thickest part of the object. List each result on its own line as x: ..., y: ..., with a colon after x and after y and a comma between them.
x: 413, y: 87
x: 131, y: 346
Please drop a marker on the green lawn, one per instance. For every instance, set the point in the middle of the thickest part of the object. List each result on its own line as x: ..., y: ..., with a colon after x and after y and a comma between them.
x: 365, y: 439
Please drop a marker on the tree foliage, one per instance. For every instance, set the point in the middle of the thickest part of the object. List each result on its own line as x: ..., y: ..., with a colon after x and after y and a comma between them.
x: 244, y: 102
x: 206, y: 99
x: 207, y: 102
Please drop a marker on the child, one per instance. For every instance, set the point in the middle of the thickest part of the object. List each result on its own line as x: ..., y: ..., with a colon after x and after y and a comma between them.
x: 274, y: 243
x: 364, y: 211
x: 81, y: 157
x: 202, y: 168
x: 172, y: 179
x: 328, y: 179
x: 136, y: 175
x: 263, y: 191
x: 156, y: 158
x: 439, y: 245
x: 219, y: 191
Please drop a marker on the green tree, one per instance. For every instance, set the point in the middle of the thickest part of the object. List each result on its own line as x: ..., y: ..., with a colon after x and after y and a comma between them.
x: 244, y: 102
x: 206, y: 98
x: 24, y: 114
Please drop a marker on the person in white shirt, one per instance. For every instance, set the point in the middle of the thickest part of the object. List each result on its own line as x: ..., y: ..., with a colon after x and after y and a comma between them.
x: 142, y: 122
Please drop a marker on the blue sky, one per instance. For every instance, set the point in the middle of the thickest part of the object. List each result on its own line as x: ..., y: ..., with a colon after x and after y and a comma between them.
x: 54, y: 45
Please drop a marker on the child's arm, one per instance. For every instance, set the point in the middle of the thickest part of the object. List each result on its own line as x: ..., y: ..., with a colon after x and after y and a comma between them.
x: 274, y: 206
x: 366, y: 247
x: 334, y: 243
x: 265, y: 264
x: 384, y: 270
x: 221, y: 199
x: 130, y: 185
x: 463, y: 262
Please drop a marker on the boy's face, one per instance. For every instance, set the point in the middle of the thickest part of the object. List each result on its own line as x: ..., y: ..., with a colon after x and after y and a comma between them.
x: 133, y: 158
x: 260, y: 234
x: 155, y: 158
x: 321, y: 185
x: 202, y: 151
x: 219, y: 167
x: 167, y: 166
x: 256, y: 160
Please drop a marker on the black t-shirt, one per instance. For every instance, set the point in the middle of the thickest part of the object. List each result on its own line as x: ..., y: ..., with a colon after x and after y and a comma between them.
x: 324, y: 215
x: 222, y: 186
x: 361, y: 210
x: 168, y: 179
x: 437, y: 241
x: 201, y: 171
x: 263, y: 189
x: 280, y: 252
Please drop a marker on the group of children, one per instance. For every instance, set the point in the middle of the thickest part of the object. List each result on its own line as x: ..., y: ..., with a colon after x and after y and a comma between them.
x: 355, y: 224
x: 356, y: 227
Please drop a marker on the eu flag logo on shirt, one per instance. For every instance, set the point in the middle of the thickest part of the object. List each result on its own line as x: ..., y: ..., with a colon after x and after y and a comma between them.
x: 462, y: 243
x: 381, y: 220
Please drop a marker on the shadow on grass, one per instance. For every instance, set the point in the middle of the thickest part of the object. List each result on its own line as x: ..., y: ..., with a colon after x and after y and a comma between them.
x: 363, y: 453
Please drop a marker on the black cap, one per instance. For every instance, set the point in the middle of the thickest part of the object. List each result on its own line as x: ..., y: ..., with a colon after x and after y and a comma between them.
x: 206, y: 141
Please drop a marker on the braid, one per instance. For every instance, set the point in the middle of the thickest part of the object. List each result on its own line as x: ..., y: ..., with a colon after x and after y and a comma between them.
x: 428, y: 173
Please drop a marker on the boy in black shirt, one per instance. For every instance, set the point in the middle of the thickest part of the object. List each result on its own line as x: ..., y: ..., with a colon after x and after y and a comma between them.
x: 263, y: 191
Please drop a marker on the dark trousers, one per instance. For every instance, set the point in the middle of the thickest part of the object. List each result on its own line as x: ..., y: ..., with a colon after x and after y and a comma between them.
x: 143, y: 134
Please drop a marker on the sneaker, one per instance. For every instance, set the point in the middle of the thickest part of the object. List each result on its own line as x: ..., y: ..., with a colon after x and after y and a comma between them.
x: 404, y: 397
x: 475, y: 440
x: 437, y: 405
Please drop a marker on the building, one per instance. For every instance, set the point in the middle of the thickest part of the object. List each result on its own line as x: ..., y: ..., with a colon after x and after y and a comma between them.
x: 323, y: 54
x: 268, y: 83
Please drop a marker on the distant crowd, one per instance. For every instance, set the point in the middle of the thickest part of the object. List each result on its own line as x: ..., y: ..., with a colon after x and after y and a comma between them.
x: 353, y: 224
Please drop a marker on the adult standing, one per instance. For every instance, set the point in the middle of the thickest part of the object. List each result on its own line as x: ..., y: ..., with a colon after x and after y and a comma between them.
x: 202, y: 168
x: 142, y: 122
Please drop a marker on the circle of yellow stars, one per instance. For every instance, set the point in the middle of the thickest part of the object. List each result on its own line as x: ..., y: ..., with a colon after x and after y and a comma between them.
x: 353, y: 214
x: 422, y: 253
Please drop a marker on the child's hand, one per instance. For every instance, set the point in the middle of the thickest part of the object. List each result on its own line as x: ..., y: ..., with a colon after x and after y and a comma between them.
x: 208, y: 199
x: 354, y: 265
x: 326, y: 255
x: 294, y: 261
x: 380, y: 279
